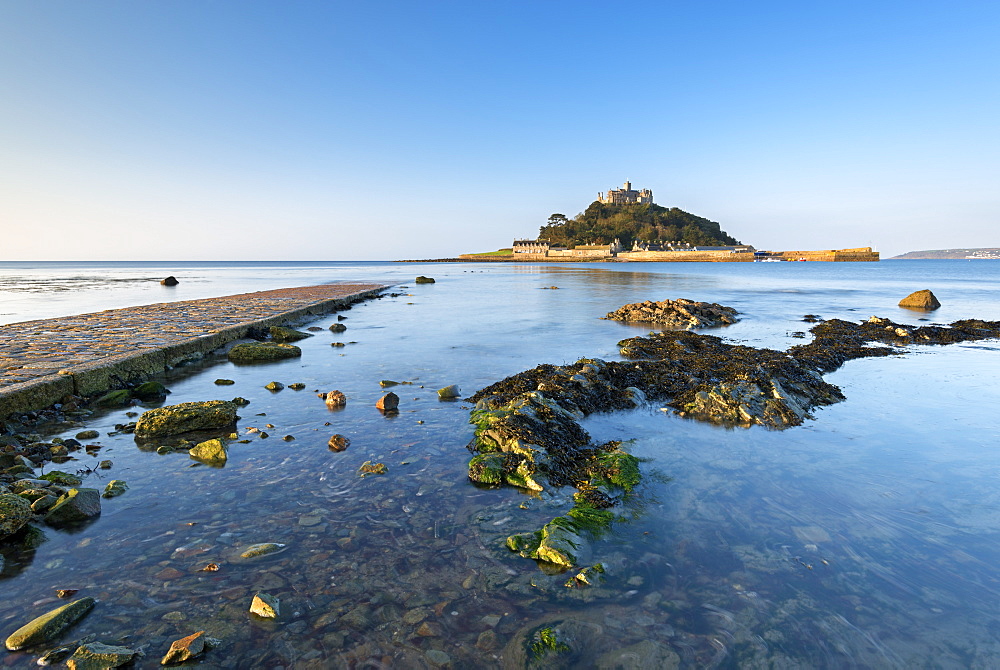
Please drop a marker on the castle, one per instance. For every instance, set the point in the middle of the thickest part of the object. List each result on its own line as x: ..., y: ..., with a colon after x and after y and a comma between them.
x: 626, y: 196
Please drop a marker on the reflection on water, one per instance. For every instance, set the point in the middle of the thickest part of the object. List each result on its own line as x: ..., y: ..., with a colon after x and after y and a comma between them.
x: 867, y: 538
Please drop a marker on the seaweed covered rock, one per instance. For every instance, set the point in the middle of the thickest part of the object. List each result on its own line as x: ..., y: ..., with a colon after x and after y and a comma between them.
x: 96, y: 655
x: 150, y: 391
x: 557, y: 542
x: 682, y: 314
x: 210, y: 452
x: 262, y: 352
x: 186, y: 417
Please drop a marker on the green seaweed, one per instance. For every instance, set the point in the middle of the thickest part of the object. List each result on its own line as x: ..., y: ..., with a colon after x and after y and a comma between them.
x: 545, y: 642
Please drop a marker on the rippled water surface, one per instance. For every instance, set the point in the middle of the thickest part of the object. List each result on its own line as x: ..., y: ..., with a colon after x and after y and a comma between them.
x: 866, y: 538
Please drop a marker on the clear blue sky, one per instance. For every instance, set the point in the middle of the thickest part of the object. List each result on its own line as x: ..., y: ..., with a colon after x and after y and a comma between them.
x: 223, y: 129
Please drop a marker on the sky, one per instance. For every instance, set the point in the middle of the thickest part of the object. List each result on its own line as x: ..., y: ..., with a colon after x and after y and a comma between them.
x: 308, y: 130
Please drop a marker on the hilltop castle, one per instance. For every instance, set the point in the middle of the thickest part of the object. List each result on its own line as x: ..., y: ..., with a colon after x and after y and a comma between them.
x: 626, y: 196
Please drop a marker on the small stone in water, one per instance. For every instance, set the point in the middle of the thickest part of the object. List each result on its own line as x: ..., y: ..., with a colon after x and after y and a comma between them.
x: 297, y: 386
x: 288, y: 438
x: 388, y: 402
x: 335, y: 399
x: 369, y: 468
x: 274, y: 386
x: 266, y: 606
x: 224, y: 382
x: 338, y: 443
x: 66, y: 593
x: 262, y: 549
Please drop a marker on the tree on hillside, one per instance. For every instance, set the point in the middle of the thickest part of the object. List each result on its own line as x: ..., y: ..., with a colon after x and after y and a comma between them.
x: 601, y: 223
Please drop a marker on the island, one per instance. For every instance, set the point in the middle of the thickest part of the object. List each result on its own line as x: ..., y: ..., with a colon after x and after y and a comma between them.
x: 980, y: 253
x: 626, y: 225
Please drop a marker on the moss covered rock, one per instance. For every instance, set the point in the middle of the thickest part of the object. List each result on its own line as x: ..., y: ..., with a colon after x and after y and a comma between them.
x: 282, y: 334
x: 150, y: 391
x: 114, y: 398
x: 185, y: 417
x: 262, y: 352
x: 557, y: 542
x: 115, y: 488
x: 48, y: 626
x: 98, y: 656
x: 15, y: 513
x: 62, y: 478
x: 211, y: 452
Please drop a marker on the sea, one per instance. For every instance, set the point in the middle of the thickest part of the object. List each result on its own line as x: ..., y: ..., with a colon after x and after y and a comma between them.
x: 868, y: 537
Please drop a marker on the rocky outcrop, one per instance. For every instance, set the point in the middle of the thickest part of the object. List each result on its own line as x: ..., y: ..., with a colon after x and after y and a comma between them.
x: 924, y: 300
x: 49, y: 625
x: 262, y: 352
x: 186, y: 417
x: 681, y: 314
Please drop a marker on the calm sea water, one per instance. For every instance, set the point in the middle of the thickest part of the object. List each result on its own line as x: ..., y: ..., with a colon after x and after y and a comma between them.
x: 868, y: 537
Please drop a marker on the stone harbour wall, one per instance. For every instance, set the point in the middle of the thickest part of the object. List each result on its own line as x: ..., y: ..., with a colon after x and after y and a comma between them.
x: 44, y: 360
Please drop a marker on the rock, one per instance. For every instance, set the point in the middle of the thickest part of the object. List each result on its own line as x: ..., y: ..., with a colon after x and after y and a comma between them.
x: 240, y: 402
x: 262, y: 352
x: 640, y: 656
x: 48, y: 626
x: 97, y: 656
x: 87, y: 435
x: 185, y: 417
x: 61, y: 478
x: 282, y: 334
x: 210, y: 452
x: 262, y: 549
x: 169, y: 281
x: 188, y: 648
x: 557, y: 542
x: 679, y: 314
x: 224, y: 382
x: 424, y: 280
x: 150, y: 391
x: 15, y: 513
x: 338, y: 443
x: 335, y: 399
x: 387, y: 383
x: 42, y: 504
x: 266, y: 606
x: 274, y: 386
x: 388, y: 403
x: 297, y: 386
x: 114, y: 399
x: 105, y: 465
x: 920, y: 300
x: 338, y: 328
x: 369, y: 468
x: 76, y: 505
x: 449, y: 392
x: 115, y: 488
x: 438, y: 658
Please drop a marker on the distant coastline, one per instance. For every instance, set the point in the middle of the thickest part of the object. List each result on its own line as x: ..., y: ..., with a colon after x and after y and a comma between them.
x: 977, y: 253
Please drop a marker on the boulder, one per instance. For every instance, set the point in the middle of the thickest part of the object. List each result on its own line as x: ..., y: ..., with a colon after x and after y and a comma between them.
x: 335, y: 399
x: 114, y: 398
x: 424, y: 280
x: 338, y: 443
x: 76, y: 505
x: 274, y: 386
x: 15, y: 513
x: 282, y: 334
x: 388, y: 403
x: 338, y: 328
x: 185, y: 417
x: 920, y: 300
x: 211, y: 452
x: 48, y: 626
x: 449, y: 392
x: 115, y: 488
x: 150, y: 391
x: 169, y: 281
x: 98, y: 656
x: 262, y: 352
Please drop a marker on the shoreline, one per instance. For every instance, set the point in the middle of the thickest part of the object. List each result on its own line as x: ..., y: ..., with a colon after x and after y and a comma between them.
x: 42, y: 361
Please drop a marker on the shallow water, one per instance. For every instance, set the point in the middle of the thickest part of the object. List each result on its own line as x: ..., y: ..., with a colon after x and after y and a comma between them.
x: 867, y: 537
